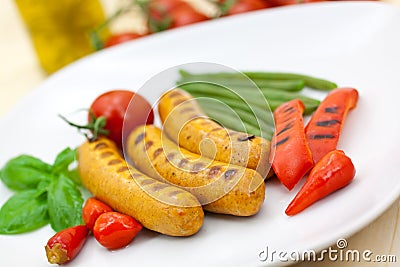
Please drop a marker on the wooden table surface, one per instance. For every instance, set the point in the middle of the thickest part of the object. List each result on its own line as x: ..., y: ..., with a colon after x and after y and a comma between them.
x: 20, y: 73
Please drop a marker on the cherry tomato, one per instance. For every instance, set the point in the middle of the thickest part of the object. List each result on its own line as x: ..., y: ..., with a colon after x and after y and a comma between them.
x: 184, y: 15
x: 92, y: 209
x: 275, y: 3
x: 66, y: 244
x: 123, y: 110
x: 168, y: 14
x: 115, y: 230
x: 121, y: 38
x: 242, y: 6
x: 164, y: 6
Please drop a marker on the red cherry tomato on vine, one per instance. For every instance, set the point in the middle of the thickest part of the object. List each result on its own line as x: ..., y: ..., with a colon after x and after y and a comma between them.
x: 168, y: 14
x: 275, y: 3
x: 164, y: 6
x: 121, y: 38
x: 184, y: 15
x: 123, y: 111
x: 115, y: 230
x: 92, y: 209
x: 242, y: 6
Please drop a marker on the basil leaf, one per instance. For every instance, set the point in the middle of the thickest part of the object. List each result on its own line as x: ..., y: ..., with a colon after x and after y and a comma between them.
x: 24, y: 172
x: 63, y: 160
x: 24, y: 211
x: 65, y: 203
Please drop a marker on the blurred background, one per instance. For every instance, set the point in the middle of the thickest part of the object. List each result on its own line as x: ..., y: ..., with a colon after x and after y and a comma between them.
x: 42, y: 36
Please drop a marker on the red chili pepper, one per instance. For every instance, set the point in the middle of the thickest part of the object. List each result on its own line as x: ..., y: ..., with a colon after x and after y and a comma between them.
x: 115, y: 230
x: 290, y: 156
x: 334, y: 171
x: 323, y: 130
x: 92, y: 209
x: 66, y: 244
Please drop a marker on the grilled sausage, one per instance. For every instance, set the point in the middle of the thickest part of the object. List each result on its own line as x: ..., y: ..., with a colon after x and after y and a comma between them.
x: 186, y: 124
x: 157, y: 206
x: 220, y: 187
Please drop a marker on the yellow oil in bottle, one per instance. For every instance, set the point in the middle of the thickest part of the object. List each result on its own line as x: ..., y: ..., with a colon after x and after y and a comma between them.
x: 59, y: 29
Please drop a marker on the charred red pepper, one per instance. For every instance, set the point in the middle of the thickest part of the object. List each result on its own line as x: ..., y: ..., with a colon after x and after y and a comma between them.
x: 66, y: 244
x: 334, y: 171
x: 323, y: 130
x: 115, y: 230
x: 290, y: 156
x: 92, y: 209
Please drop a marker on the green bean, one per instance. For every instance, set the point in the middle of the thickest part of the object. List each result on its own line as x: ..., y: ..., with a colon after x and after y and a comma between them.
x: 253, y: 98
x: 308, y: 107
x: 235, y: 122
x: 260, y: 121
x: 239, y: 105
x: 287, y: 96
x: 212, y: 90
x: 312, y: 82
x: 288, y: 85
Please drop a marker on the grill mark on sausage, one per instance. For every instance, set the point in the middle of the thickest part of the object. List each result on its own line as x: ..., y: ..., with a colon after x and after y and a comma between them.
x: 188, y: 109
x: 106, y: 154
x: 100, y: 145
x: 174, y: 94
x: 147, y: 182
x: 148, y: 144
x: 170, y: 156
x: 332, y: 110
x: 230, y: 173
x: 328, y: 123
x: 122, y: 169
x: 197, y: 167
x: 136, y: 175
x: 157, y: 152
x: 182, y: 163
x: 214, y: 171
x: 178, y: 101
x: 174, y: 193
x: 321, y: 136
x: 216, y: 129
x: 246, y: 138
x: 139, y: 138
x: 284, y: 140
x: 205, y: 122
x: 159, y: 187
x: 114, y: 162
x: 287, y: 127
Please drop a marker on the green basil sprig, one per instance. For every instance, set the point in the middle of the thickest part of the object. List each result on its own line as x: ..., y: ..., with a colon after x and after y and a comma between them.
x: 44, y: 194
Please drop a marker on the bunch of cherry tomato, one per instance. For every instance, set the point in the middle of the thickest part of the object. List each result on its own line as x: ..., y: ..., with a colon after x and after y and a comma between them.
x: 169, y: 14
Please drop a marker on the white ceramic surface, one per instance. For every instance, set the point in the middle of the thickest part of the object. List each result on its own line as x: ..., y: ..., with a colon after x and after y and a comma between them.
x: 354, y: 44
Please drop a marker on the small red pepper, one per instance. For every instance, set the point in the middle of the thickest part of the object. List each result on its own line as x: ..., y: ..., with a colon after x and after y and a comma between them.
x: 92, y: 209
x: 66, y: 244
x: 290, y: 156
x: 323, y: 130
x: 334, y: 171
x: 115, y: 230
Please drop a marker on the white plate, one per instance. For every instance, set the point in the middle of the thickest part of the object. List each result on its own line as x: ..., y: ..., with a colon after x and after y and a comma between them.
x: 354, y: 44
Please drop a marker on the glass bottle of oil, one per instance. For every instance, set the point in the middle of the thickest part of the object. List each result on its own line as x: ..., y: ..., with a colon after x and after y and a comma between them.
x: 59, y: 29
